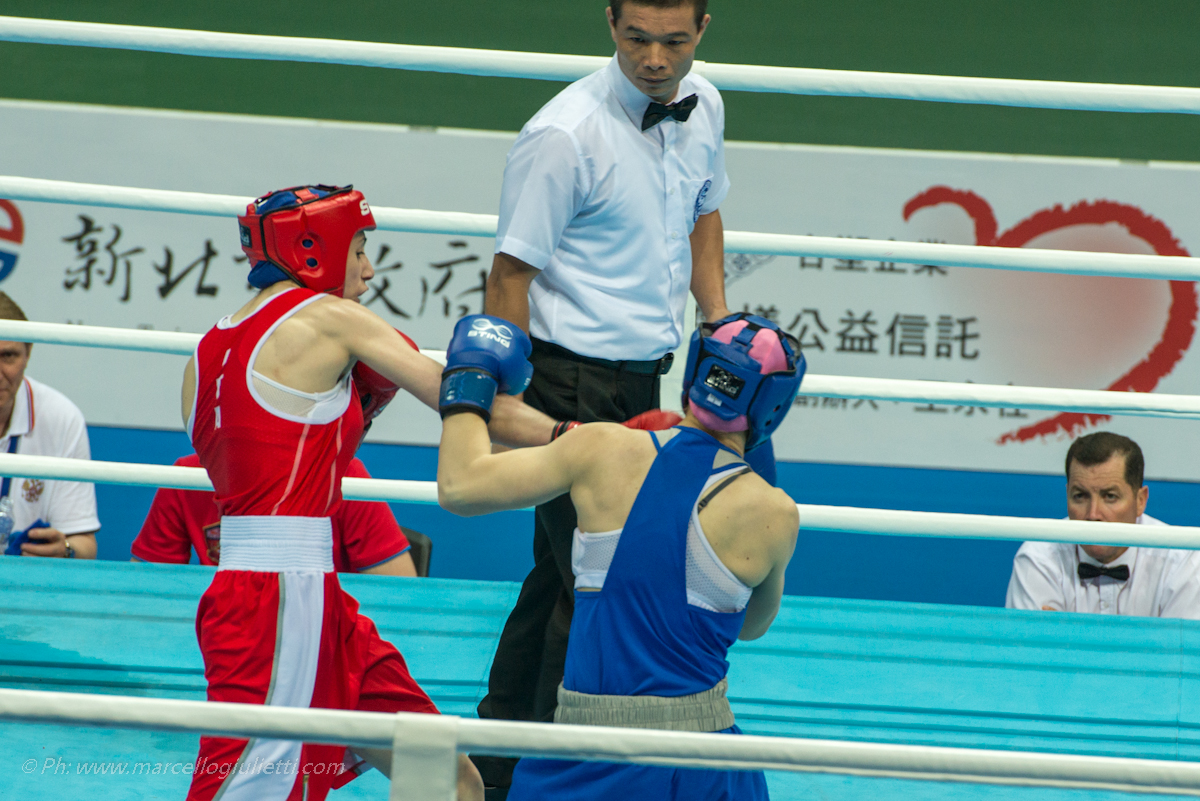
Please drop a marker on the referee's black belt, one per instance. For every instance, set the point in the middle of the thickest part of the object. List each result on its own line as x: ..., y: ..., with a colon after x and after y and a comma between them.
x: 654, y: 367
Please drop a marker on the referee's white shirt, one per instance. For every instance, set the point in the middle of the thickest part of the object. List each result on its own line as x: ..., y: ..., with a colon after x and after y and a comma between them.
x: 49, y: 424
x: 1163, y: 582
x: 604, y: 210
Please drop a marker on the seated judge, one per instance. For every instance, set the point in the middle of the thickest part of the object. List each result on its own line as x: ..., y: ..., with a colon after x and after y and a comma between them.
x: 1105, y: 483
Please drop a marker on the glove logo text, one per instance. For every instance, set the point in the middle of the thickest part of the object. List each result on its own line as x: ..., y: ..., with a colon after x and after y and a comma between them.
x: 498, y: 333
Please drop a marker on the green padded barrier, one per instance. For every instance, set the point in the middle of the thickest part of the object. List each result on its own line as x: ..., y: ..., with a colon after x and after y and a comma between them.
x: 1108, y: 41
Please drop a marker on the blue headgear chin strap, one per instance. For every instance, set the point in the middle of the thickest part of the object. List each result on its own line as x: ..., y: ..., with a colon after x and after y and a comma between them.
x: 731, y: 384
x: 264, y: 274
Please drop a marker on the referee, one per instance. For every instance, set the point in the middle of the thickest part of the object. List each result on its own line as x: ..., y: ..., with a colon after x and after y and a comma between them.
x: 608, y: 216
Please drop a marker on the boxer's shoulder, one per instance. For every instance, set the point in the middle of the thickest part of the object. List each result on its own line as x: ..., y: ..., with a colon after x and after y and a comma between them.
x: 607, y: 444
x: 330, y: 316
x: 757, y: 508
x: 612, y: 435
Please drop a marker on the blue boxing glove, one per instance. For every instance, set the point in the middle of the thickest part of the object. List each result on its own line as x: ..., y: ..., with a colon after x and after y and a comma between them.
x: 486, y: 354
x: 761, y: 459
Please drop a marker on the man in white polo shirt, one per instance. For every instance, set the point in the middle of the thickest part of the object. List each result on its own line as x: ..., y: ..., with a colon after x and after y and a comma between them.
x: 608, y: 217
x: 59, y: 517
x: 1105, y: 483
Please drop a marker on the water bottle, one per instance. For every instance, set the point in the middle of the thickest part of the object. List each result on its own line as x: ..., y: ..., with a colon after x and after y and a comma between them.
x: 6, y: 521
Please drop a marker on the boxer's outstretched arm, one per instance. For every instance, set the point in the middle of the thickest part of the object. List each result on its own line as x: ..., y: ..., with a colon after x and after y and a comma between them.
x: 473, y: 481
x: 518, y: 425
x: 368, y: 338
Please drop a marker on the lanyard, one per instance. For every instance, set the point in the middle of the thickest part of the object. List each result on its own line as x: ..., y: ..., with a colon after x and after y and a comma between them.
x: 6, y: 485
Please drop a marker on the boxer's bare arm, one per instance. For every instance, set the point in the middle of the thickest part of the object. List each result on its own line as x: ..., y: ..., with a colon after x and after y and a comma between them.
x: 473, y: 481
x: 602, y: 465
x: 775, y: 521
x: 752, y: 528
x: 355, y: 332
x: 189, y: 389
x: 368, y: 338
x: 310, y: 352
x: 764, y: 601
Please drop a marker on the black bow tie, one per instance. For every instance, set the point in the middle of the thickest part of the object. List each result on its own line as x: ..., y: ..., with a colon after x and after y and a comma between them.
x: 1090, y: 571
x: 657, y: 112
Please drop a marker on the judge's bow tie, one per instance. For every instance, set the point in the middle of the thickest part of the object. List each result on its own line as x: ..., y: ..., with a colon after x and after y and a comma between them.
x: 1090, y: 571
x: 657, y: 112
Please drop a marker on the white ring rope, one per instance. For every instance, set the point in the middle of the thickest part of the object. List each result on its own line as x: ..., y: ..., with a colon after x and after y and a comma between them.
x: 601, y: 743
x: 993, y: 396
x: 1070, y: 262
x: 841, y: 519
x: 94, y: 336
x: 547, y: 66
x: 193, y: 478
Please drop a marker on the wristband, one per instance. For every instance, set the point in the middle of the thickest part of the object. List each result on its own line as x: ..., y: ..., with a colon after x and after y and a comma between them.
x: 467, y: 390
x: 562, y: 427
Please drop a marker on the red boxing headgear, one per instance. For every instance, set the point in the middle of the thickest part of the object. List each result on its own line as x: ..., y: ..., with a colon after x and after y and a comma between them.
x: 306, y: 232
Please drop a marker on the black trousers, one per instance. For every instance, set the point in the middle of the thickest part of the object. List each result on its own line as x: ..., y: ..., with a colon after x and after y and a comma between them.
x: 528, y: 666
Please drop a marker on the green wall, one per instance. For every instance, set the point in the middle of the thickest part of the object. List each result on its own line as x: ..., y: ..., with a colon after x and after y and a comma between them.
x: 1121, y: 41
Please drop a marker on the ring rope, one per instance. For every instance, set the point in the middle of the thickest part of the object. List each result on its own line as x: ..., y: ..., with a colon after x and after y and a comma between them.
x: 1070, y: 262
x: 992, y: 396
x: 555, y: 67
x: 602, y: 743
x: 840, y: 519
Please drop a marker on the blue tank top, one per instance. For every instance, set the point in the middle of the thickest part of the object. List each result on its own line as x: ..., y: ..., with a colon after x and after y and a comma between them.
x: 638, y: 635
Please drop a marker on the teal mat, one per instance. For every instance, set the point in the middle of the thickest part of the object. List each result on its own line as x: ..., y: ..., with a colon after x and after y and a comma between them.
x: 856, y: 670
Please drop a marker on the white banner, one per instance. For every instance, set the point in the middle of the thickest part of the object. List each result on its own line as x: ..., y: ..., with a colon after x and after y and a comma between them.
x: 124, y: 268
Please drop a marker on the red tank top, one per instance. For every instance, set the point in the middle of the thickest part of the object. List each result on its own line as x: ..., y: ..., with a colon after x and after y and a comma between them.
x: 264, y: 462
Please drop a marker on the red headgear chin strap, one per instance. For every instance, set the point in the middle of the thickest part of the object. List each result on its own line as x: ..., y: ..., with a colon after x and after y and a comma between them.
x: 306, y: 231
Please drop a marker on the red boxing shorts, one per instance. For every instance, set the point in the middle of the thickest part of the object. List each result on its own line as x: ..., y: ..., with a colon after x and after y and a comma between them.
x: 291, y: 639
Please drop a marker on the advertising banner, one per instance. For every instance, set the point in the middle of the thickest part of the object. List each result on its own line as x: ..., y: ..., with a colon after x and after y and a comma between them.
x: 113, y: 267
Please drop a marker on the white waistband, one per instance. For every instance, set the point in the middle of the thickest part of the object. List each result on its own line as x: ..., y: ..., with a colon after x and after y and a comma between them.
x: 277, y: 544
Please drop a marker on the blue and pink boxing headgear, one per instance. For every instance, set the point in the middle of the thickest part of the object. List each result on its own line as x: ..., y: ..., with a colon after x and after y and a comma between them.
x: 304, y: 233
x: 743, y: 373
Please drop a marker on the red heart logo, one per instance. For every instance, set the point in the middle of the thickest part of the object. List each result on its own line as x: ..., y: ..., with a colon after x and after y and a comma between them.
x: 15, y: 232
x: 1180, y: 327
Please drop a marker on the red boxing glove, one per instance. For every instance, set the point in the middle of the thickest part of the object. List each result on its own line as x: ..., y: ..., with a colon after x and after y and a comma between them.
x: 654, y: 420
x: 374, y: 391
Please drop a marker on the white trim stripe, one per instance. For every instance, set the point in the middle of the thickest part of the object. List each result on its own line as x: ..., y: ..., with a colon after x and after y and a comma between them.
x: 298, y: 652
x: 295, y: 468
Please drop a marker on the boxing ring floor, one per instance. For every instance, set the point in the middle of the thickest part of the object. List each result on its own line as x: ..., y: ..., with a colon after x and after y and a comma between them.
x: 833, y: 669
